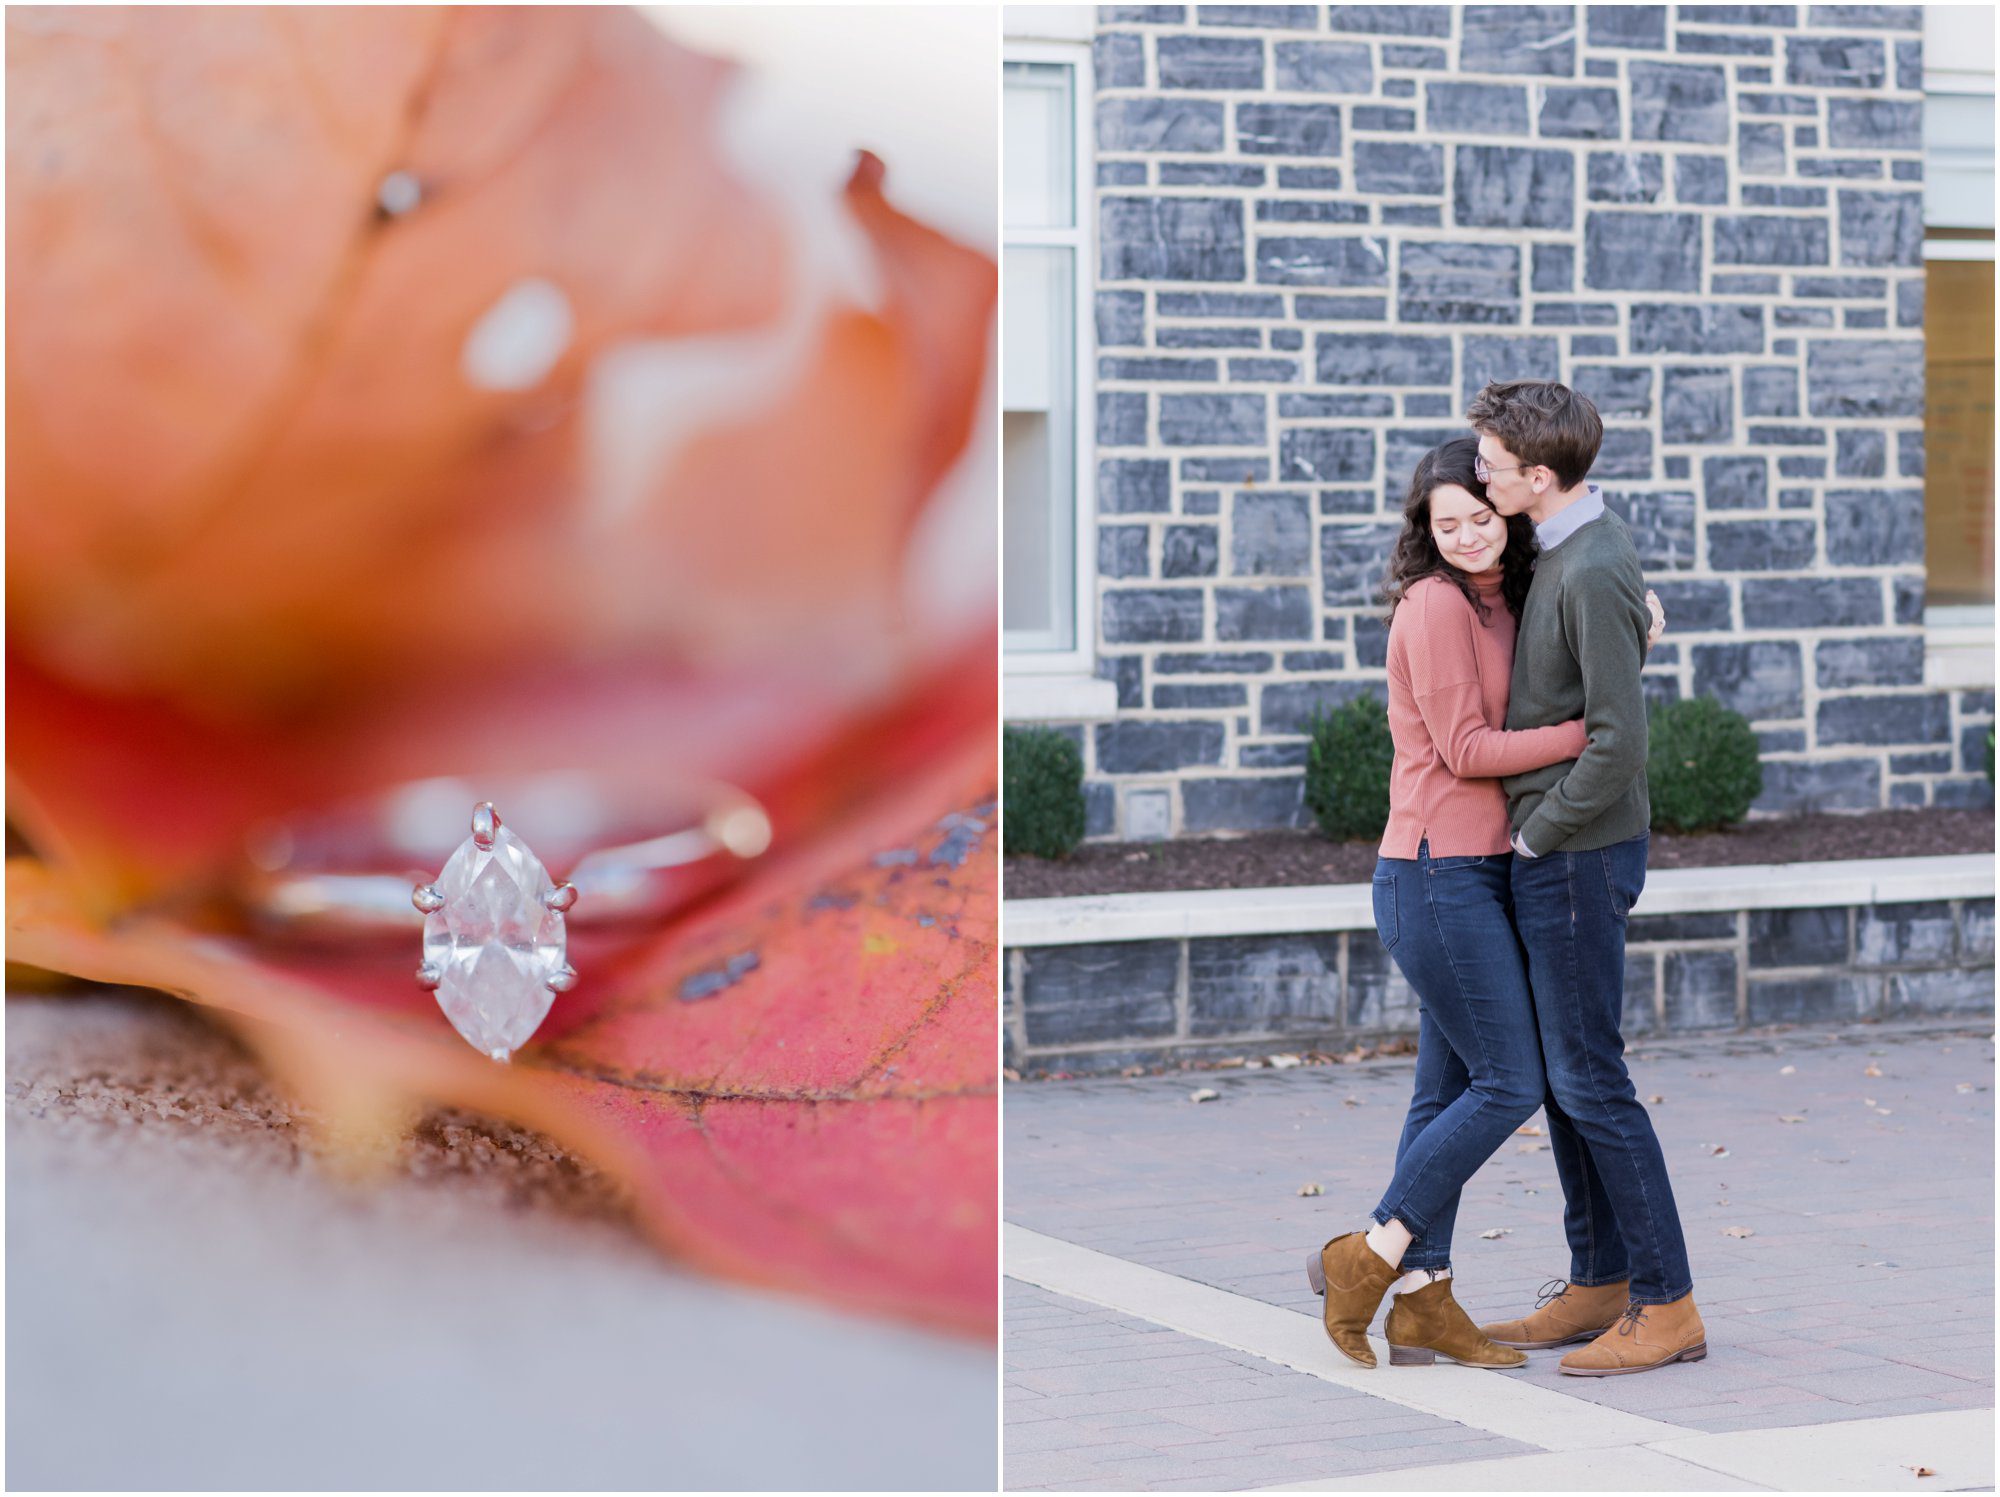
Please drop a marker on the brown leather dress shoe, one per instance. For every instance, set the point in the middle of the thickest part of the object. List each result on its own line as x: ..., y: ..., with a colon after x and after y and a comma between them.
x: 1564, y: 1313
x: 1353, y: 1279
x: 1429, y: 1324
x: 1646, y: 1336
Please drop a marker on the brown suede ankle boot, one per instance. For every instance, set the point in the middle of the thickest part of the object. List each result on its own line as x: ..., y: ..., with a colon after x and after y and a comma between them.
x: 1564, y: 1313
x: 1646, y: 1336
x: 1353, y: 1279
x: 1429, y: 1324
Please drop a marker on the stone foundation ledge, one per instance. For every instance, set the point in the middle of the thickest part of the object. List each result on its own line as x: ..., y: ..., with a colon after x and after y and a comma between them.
x: 1100, y: 982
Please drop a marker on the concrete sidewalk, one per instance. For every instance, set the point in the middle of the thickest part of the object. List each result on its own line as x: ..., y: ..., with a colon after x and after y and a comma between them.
x: 1160, y: 1332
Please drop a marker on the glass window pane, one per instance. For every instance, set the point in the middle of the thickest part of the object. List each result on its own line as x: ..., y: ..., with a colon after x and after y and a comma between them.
x: 1039, y: 161
x: 1038, y: 431
x: 1958, y: 432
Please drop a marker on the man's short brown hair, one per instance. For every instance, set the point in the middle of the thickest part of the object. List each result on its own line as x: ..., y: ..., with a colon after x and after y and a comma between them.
x: 1544, y: 424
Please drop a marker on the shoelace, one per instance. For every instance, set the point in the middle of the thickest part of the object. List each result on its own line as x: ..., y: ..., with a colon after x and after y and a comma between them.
x: 1630, y: 1318
x: 1550, y: 1292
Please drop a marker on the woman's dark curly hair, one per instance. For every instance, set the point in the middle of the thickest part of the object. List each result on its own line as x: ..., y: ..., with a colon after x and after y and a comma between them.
x: 1416, y: 557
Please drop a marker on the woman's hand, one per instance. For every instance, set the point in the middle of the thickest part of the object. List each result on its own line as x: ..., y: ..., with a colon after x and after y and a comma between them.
x: 1659, y: 618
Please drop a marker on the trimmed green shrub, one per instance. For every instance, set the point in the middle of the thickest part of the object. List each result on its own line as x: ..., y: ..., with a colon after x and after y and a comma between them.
x: 1702, y: 767
x: 1042, y: 789
x: 1347, y: 769
x: 1989, y: 756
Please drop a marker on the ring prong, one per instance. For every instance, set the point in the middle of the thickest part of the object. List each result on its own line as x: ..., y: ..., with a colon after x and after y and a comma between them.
x: 560, y: 898
x: 503, y: 1056
x: 428, y: 975
x: 427, y: 898
x: 485, y: 825
x: 562, y: 979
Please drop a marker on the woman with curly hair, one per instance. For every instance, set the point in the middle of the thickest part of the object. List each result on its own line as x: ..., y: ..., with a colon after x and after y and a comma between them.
x: 1457, y: 579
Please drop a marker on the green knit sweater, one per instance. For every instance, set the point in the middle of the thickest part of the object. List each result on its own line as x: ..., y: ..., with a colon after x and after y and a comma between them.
x: 1577, y: 653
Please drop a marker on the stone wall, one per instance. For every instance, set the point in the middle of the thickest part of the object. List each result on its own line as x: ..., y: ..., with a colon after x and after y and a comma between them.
x: 1322, y: 228
x: 1105, y: 1006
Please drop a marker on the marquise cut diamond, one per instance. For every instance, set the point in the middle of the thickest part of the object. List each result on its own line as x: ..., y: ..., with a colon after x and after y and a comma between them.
x: 494, y: 945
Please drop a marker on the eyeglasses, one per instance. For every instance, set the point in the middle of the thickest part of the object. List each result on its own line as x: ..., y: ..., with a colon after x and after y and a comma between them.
x: 1484, y: 471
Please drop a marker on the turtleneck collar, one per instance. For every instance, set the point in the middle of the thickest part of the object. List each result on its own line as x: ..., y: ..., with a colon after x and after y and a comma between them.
x: 1488, y: 581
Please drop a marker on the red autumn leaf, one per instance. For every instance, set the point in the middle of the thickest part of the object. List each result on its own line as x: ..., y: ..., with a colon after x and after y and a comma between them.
x: 291, y: 520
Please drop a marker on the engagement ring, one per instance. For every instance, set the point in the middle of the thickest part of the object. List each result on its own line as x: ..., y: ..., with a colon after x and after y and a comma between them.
x: 494, y: 923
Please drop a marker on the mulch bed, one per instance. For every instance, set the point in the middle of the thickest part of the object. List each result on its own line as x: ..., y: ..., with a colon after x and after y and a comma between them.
x: 1266, y: 859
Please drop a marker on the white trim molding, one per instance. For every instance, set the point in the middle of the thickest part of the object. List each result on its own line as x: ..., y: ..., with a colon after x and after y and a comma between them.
x: 1026, y: 696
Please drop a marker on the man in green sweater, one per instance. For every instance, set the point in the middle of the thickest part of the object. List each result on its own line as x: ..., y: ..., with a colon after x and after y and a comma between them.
x: 1580, y: 837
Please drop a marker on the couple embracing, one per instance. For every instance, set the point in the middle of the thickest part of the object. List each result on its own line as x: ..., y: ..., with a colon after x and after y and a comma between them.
x: 1516, y: 846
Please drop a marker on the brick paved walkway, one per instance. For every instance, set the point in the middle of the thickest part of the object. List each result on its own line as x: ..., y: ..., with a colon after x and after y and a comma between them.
x: 1881, y: 1193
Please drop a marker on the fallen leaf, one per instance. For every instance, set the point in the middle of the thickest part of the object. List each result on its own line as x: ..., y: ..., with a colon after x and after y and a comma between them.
x: 1130, y: 1071
x: 1967, y: 1086
x: 1867, y: 1101
x: 1492, y: 1232
x: 1205, y: 1094
x: 1529, y: 1130
x: 1719, y: 1151
x: 1350, y: 1101
x: 1529, y: 1148
x: 1787, y: 1070
x: 1920, y: 1470
x: 1656, y: 1100
x: 1739, y: 1232
x: 1872, y: 1070
x: 1885, y: 1112
x: 1282, y: 1062
x: 1010, y: 1074
x: 1310, y: 1190
x: 1787, y: 1118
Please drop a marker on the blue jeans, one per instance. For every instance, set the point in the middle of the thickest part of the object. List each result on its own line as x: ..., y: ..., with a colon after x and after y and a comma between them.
x: 1618, y: 1209
x: 1446, y: 924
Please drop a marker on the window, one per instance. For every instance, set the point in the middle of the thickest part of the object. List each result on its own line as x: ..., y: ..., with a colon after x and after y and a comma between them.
x: 1958, y: 344
x: 1046, y: 497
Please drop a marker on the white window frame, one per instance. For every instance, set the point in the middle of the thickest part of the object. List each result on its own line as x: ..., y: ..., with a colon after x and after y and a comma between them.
x: 1958, y: 639
x: 1042, y: 684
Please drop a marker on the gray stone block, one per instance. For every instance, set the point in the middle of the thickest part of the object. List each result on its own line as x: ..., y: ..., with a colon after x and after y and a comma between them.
x: 1895, y: 660
x: 1353, y: 558
x: 1340, y: 308
x: 1908, y: 593
x: 1762, y: 679
x: 1211, y: 62
x: 1800, y: 938
x: 1171, y: 239
x: 1696, y: 405
x: 1379, y: 998
x: 1662, y: 526
x: 1624, y: 452
x: 1459, y: 283
x: 1217, y: 663
x: 1371, y: 642
x: 1245, y: 614
x: 1121, y: 419
x: 1861, y: 454
x: 1881, y: 228
x: 1323, y: 67
x: 1823, y: 999
x: 1865, y: 377
x: 1288, y: 129
x: 1554, y: 268
x: 1757, y: 239
x: 1615, y: 389
x: 1736, y: 482
x: 1391, y: 20
x: 1631, y: 26
x: 1308, y: 454
x: 1188, y: 551
x: 1760, y: 150
x: 1285, y: 17
x: 1210, y: 174
x: 1109, y: 991
x: 1905, y: 935
x: 1122, y: 551
x: 1518, y: 41
x: 1130, y: 485
x: 1483, y: 109
x: 1486, y: 357
x: 1625, y: 177
x: 1270, y: 535
x: 1575, y: 314
x: 1698, y: 989
x: 1761, y: 545
x: 1224, y: 470
x: 1394, y: 56
x: 1362, y: 261
x: 1254, y: 985
x: 1121, y: 318
x: 1875, y: 527
x: 1212, y: 420
x: 1128, y: 672
x: 1875, y: 124
x: 1144, y: 747
x: 1717, y: 927
x: 1836, y: 62
x: 1219, y: 303
x: 1798, y: 786
x: 1118, y: 58
x: 1192, y: 371
x: 1266, y: 803
x: 1642, y: 251
x: 1701, y: 180
x: 1642, y: 993
x: 1580, y: 113
x: 1868, y: 17
x: 1400, y: 167
x: 1679, y: 101
x: 1975, y: 931
x: 1771, y: 391
x: 1382, y: 359
x: 1513, y: 187
x: 1947, y: 992
x: 1164, y: 615
x: 1694, y: 607
x: 1885, y: 719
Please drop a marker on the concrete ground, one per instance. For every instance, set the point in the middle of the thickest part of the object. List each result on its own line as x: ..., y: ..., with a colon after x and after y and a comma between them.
x: 194, y: 1302
x: 1837, y: 1193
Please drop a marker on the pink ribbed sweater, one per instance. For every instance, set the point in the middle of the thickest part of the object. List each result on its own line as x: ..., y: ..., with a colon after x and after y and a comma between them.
x: 1448, y: 680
